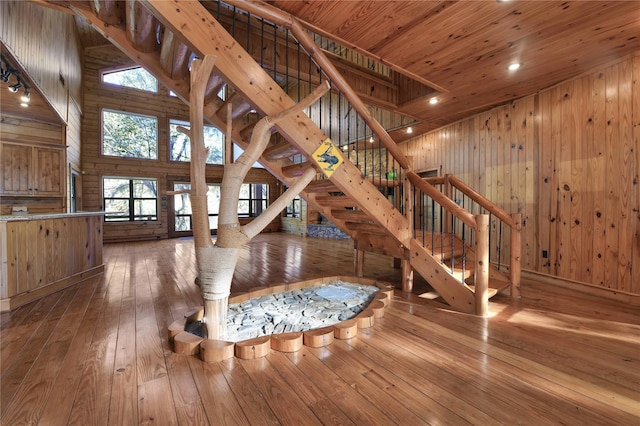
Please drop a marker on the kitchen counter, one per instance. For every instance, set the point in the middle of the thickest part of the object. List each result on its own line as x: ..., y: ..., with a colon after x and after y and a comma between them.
x: 44, y: 253
x: 41, y: 216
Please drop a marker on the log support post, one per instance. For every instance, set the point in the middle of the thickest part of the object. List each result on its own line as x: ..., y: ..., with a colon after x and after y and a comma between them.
x: 407, y: 275
x: 359, y: 263
x: 482, y: 265
x: 515, y: 267
x: 448, y: 191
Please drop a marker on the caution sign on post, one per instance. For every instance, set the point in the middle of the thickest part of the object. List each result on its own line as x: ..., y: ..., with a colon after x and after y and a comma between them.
x: 328, y: 157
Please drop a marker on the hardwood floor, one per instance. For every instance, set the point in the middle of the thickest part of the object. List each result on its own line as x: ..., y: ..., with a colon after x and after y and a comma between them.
x: 97, y: 353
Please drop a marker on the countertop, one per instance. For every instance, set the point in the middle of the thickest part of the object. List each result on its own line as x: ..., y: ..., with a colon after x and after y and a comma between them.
x: 11, y: 218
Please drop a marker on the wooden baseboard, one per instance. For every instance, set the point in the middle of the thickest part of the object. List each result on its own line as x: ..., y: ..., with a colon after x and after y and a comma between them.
x: 27, y: 297
x: 621, y: 296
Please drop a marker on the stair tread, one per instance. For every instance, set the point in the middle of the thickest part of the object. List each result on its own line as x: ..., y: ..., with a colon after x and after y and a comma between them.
x: 295, y: 170
x: 280, y: 151
x: 335, y: 201
x: 351, y: 215
x: 324, y: 185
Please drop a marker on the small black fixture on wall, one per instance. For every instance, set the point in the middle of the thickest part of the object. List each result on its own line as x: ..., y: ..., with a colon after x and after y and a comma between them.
x: 6, y: 72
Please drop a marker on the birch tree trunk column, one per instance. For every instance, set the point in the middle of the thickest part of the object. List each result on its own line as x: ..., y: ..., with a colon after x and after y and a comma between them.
x: 216, y: 263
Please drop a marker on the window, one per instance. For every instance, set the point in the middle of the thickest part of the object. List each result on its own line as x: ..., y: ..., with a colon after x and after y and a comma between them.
x: 135, y: 78
x: 130, y: 199
x: 253, y: 199
x: 293, y: 209
x: 180, y: 148
x: 129, y: 135
x: 182, y: 207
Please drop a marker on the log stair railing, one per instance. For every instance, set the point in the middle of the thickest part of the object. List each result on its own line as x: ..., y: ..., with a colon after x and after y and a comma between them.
x: 352, y: 202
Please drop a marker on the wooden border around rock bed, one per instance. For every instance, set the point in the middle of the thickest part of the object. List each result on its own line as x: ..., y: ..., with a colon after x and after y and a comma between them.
x: 186, y: 343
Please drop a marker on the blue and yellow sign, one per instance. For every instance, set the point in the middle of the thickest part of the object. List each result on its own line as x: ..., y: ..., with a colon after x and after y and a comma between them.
x: 328, y: 157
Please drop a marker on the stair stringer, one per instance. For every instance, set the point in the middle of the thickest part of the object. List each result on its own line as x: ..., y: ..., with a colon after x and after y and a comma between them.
x: 208, y: 37
x: 456, y: 293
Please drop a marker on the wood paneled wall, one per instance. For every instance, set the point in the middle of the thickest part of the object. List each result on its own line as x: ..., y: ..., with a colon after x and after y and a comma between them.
x: 46, y: 44
x: 94, y: 166
x: 567, y: 158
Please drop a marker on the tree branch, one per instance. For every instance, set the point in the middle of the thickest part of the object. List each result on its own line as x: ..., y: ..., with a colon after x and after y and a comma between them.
x: 254, y: 227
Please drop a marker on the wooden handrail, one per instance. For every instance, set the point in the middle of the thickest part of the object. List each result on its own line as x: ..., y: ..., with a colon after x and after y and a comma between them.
x: 287, y: 20
x: 443, y: 200
x: 486, y: 204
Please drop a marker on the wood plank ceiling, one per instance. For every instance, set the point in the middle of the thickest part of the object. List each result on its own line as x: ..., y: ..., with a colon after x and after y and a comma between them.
x: 462, y: 48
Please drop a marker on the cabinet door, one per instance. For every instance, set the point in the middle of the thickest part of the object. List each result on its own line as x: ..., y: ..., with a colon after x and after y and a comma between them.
x: 16, y: 169
x: 48, y: 171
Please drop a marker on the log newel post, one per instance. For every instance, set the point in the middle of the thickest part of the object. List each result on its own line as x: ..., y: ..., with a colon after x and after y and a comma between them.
x: 407, y: 270
x: 515, y: 267
x: 482, y: 265
x: 359, y: 262
x: 448, y: 191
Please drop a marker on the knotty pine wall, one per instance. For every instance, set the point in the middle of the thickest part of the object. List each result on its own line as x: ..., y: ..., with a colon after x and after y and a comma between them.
x: 45, y: 43
x: 568, y: 159
x: 94, y: 166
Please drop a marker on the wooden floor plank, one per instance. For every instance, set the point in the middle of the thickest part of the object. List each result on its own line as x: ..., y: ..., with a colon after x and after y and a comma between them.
x: 31, y: 398
x: 92, y: 403
x: 324, y: 409
x: 554, y: 356
x: 12, y: 381
x: 59, y: 404
x: 359, y: 409
x: 155, y: 405
x: 218, y: 400
x: 17, y: 333
x: 277, y: 394
x: 253, y: 405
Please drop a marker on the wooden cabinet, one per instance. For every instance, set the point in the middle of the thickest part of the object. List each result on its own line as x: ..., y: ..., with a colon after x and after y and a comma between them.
x: 41, y: 254
x: 32, y: 170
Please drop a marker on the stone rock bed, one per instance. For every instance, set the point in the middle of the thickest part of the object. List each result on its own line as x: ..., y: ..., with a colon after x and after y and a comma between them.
x: 294, y: 310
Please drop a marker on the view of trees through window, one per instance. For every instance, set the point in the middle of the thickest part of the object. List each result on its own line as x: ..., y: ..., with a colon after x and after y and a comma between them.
x: 182, y: 207
x: 129, y: 135
x: 135, y: 78
x: 253, y: 200
x: 129, y: 199
x: 180, y: 148
x: 293, y: 209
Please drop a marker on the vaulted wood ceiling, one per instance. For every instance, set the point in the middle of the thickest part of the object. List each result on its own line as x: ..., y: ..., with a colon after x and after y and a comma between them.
x: 462, y: 48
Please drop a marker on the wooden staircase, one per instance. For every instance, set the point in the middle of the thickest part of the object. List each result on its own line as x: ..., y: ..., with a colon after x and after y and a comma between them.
x: 350, y: 201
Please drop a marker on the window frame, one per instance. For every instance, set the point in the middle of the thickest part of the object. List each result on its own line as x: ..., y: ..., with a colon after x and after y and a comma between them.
x: 174, y: 120
x: 115, y: 69
x: 253, y: 213
x: 126, y: 112
x: 131, y: 217
x: 293, y: 213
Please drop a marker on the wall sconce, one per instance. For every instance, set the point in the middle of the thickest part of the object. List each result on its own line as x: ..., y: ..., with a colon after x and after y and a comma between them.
x: 6, y: 71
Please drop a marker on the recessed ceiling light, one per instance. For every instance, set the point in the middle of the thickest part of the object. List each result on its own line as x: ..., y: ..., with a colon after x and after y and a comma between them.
x: 514, y: 66
x: 433, y: 100
x: 409, y: 130
x: 371, y: 139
